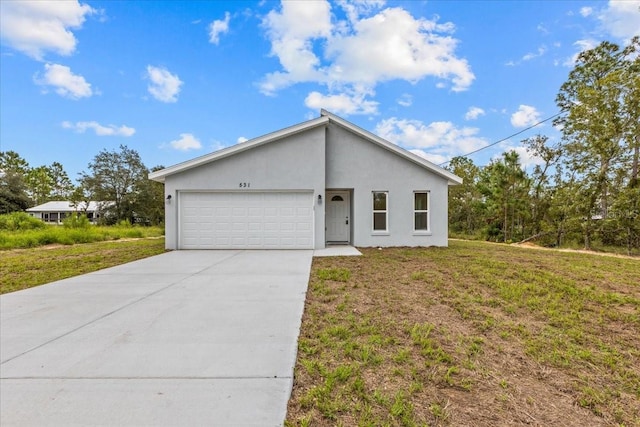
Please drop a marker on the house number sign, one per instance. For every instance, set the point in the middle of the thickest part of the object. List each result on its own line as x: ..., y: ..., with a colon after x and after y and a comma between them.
x: 245, y: 185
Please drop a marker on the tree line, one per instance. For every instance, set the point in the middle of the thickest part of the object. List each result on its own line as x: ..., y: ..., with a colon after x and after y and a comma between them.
x: 586, y: 187
x: 118, y: 177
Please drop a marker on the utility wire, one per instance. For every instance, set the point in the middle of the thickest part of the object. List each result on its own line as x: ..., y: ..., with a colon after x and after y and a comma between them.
x: 508, y: 137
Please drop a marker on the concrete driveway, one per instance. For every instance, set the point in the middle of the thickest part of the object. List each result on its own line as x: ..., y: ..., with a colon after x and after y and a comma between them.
x: 183, y: 338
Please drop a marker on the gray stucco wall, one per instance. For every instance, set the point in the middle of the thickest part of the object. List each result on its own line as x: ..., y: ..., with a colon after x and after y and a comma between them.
x: 354, y: 163
x: 293, y: 163
x: 320, y: 159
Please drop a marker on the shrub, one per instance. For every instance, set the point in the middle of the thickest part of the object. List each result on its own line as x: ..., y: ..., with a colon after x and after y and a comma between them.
x: 19, y: 221
x: 76, y: 221
x: 67, y: 235
x: 124, y: 224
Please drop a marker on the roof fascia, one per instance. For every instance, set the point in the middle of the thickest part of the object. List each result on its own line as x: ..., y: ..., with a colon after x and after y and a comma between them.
x: 451, y: 178
x: 238, y: 148
x: 67, y: 206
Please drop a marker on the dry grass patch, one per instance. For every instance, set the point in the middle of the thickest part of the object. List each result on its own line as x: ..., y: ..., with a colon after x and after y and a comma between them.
x: 474, y: 334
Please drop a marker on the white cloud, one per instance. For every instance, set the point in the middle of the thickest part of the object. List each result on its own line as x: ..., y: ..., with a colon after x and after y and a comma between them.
x: 395, y: 45
x: 586, y: 11
x: 405, y: 100
x: 473, y: 113
x: 528, y: 56
x: 542, y: 28
x: 218, y: 145
x: 186, y: 142
x: 100, y: 130
x: 531, y: 55
x: 432, y: 157
x: 218, y: 27
x: 621, y: 18
x: 291, y: 32
x: 355, y: 8
x: 581, y: 46
x: 241, y: 139
x: 525, y: 116
x: 352, y: 57
x: 526, y: 158
x: 342, y: 103
x: 64, y: 82
x: 164, y: 86
x: 437, y: 141
x: 35, y: 27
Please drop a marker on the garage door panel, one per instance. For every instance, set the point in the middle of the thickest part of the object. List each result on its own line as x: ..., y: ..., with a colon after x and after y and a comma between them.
x: 271, y: 220
x: 303, y: 226
x: 222, y: 226
x: 287, y: 211
x: 287, y: 226
x: 303, y: 212
x: 222, y: 241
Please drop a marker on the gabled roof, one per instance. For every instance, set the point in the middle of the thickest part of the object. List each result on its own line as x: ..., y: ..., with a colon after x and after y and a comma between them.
x: 64, y: 206
x: 324, y: 119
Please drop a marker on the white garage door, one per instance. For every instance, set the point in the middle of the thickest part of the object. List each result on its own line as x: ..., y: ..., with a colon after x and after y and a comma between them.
x: 246, y: 220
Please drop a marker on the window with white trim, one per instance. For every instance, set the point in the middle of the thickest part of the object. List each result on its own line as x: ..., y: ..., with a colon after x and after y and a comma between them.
x: 421, y: 210
x: 380, y: 211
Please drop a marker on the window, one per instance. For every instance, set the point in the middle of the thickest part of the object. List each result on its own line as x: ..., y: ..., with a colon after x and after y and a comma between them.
x: 380, y: 212
x: 421, y: 211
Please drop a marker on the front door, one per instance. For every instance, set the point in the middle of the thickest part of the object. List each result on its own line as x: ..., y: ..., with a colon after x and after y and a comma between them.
x: 337, y: 212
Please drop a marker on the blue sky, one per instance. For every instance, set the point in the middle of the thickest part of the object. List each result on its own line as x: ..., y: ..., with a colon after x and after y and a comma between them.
x: 176, y: 80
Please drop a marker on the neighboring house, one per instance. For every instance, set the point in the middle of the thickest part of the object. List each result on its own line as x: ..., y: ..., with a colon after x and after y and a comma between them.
x: 324, y: 181
x: 56, y: 211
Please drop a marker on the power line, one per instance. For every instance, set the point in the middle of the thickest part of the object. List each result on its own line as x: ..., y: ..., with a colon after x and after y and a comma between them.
x: 508, y: 137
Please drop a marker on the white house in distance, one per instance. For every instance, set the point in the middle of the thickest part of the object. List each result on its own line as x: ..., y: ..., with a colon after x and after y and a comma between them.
x: 55, y: 211
x: 324, y: 181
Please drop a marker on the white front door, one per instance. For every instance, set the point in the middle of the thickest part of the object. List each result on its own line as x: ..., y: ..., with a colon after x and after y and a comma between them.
x: 338, y: 208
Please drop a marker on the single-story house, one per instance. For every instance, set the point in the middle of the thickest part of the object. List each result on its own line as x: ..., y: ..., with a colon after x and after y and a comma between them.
x: 56, y: 211
x: 324, y: 181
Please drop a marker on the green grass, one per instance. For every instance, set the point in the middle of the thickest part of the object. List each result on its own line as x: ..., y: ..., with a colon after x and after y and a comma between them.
x: 24, y: 268
x: 473, y: 334
x: 52, y: 234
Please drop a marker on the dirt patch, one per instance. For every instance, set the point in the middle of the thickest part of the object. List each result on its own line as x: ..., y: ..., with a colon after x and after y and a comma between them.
x: 529, y: 245
x: 58, y: 245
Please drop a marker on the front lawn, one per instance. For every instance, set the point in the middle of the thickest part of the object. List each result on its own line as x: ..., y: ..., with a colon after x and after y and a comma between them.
x: 473, y: 334
x: 24, y: 268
